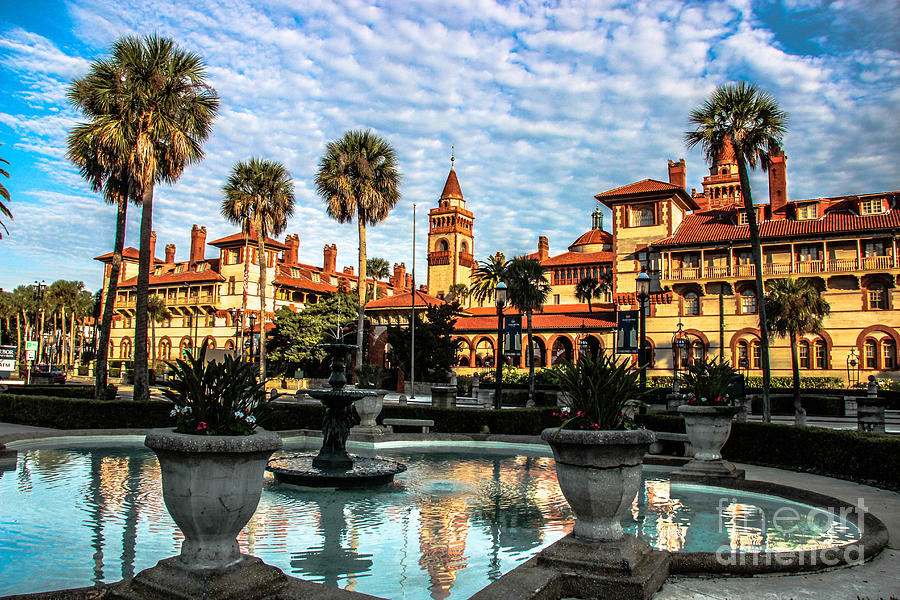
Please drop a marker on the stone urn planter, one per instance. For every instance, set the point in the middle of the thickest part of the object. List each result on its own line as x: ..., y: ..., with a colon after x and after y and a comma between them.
x: 211, y: 486
x: 599, y: 473
x: 368, y: 409
x: 708, y: 428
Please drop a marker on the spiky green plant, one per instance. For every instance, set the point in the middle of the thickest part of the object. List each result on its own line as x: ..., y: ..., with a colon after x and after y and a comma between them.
x: 709, y: 381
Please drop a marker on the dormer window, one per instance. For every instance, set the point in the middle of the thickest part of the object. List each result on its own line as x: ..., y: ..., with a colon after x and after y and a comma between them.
x: 295, y: 272
x: 315, y: 277
x: 806, y: 212
x: 742, y: 218
x: 179, y: 269
x: 871, y: 206
x: 201, y: 267
x: 642, y: 216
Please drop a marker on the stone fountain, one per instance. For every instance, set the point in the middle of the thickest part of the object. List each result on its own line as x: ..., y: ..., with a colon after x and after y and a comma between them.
x: 333, y: 466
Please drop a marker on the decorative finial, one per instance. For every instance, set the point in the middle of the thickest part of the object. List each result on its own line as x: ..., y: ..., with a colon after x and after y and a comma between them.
x: 452, y: 156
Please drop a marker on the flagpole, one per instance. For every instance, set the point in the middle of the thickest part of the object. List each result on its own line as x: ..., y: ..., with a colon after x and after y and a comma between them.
x: 412, y: 357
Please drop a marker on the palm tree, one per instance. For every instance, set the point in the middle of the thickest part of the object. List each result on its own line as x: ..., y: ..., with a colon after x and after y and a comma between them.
x: 487, y: 275
x: 62, y: 296
x: 796, y: 307
x: 458, y: 292
x: 358, y: 178
x: 260, y: 192
x: 105, y: 172
x: 4, y: 193
x: 751, y: 121
x: 150, y: 108
x: 157, y: 312
x: 7, y: 312
x: 590, y: 288
x: 379, y: 268
x: 24, y: 303
x: 84, y: 307
x: 529, y: 290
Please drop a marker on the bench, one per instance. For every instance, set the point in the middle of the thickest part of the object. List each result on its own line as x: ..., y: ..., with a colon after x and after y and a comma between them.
x: 665, y: 436
x: 425, y: 424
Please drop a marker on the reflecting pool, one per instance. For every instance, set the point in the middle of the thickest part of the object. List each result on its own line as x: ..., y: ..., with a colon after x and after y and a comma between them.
x: 448, y: 526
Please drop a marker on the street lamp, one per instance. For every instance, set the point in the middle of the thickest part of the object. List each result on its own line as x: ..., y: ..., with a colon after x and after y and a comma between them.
x: 642, y: 291
x: 500, y: 292
x: 236, y: 315
x: 852, y: 362
x: 678, y: 344
x: 252, y: 324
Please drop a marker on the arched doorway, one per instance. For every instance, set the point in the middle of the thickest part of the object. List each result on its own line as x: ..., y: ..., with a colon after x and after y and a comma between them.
x: 589, y: 345
x: 540, y: 358
x: 562, y: 350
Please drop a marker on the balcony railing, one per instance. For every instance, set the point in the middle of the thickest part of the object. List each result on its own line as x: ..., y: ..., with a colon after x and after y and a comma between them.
x: 179, y: 301
x: 868, y: 263
x: 466, y: 260
x: 439, y: 258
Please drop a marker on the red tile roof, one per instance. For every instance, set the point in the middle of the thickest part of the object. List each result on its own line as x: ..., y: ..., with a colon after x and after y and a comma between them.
x: 547, y: 309
x: 717, y: 226
x: 594, y: 236
x: 451, y: 188
x: 172, y: 277
x: 540, y: 322
x: 129, y: 252
x: 303, y: 283
x: 238, y: 238
x: 404, y: 300
x: 640, y: 187
x: 579, y: 258
x: 629, y: 299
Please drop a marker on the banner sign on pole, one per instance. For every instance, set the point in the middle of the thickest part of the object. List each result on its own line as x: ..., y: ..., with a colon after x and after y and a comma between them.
x: 627, y: 332
x: 512, y: 335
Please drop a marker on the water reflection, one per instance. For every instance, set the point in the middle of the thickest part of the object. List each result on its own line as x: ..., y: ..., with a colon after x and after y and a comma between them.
x: 446, y: 528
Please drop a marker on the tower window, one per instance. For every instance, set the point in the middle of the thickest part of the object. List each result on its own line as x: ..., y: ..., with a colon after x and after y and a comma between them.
x: 443, y: 246
x: 871, y: 206
x: 643, y: 216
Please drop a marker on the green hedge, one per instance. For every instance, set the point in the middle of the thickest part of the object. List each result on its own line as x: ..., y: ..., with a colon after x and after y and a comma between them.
x: 854, y: 455
x: 78, y: 413
x: 61, y: 391
x: 516, y: 421
x: 826, y: 406
x: 755, y: 381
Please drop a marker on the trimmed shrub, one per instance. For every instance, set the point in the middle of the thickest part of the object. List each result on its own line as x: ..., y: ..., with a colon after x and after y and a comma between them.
x: 78, y: 413
x: 829, y: 383
x: 827, y: 406
x: 62, y: 391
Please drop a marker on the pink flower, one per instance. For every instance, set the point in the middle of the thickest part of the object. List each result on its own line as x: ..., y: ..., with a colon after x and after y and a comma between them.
x: 580, y: 413
x: 201, y: 426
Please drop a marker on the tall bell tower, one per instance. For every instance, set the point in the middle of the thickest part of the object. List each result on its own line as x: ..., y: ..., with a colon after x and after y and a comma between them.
x: 451, y: 253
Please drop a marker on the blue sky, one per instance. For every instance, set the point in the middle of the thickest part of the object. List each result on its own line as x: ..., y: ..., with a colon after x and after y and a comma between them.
x: 547, y: 104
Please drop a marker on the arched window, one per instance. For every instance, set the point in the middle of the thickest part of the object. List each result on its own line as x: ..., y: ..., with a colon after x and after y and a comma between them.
x: 464, y: 248
x: 562, y: 350
x: 748, y: 302
x: 821, y: 350
x: 165, y: 349
x: 804, y: 354
x: 443, y: 246
x: 888, y: 354
x: 539, y: 360
x: 755, y: 354
x: 691, y: 304
x: 743, y: 355
x: 125, y: 348
x: 877, y: 297
x: 463, y: 361
x: 871, y: 354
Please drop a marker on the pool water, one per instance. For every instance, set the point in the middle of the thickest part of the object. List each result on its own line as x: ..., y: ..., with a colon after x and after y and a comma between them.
x: 452, y: 523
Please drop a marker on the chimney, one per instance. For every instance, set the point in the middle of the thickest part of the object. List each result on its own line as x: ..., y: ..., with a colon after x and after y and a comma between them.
x: 423, y: 288
x: 170, y: 254
x: 777, y: 183
x: 348, y: 270
x: 408, y: 281
x: 398, y: 280
x: 292, y: 253
x: 152, y: 247
x: 543, y: 248
x: 198, y: 244
x: 330, y: 255
x: 677, y: 173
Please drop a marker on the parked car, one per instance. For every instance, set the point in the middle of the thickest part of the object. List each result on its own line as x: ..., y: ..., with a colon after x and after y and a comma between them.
x: 53, y: 375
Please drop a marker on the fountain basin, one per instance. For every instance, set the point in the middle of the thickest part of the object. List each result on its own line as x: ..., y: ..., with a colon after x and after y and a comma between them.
x: 298, y: 469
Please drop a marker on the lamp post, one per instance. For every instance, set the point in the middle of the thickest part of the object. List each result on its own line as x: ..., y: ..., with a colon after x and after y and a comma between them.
x: 236, y: 315
x: 678, y: 344
x: 500, y: 292
x: 642, y: 291
x: 852, y: 362
x: 252, y: 324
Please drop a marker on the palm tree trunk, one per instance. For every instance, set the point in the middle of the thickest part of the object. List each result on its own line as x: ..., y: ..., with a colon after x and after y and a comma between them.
x: 18, y: 338
x: 799, y: 411
x: 141, y: 376
x: 72, y: 339
x: 361, y: 286
x: 262, y: 301
x: 756, y: 247
x: 153, y: 346
x: 100, y: 369
x: 530, y: 401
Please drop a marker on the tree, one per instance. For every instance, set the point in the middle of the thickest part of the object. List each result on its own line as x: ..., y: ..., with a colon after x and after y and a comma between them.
x: 260, y: 192
x: 84, y: 307
x: 297, y: 335
x: 591, y: 288
x: 150, y: 108
x: 7, y: 312
x: 4, y: 194
x: 486, y: 276
x: 436, y: 348
x: 358, y: 178
x: 379, y: 268
x: 62, y: 296
x: 751, y: 122
x: 24, y: 303
x: 529, y: 290
x: 796, y: 307
x: 105, y: 170
x: 458, y: 292
x: 157, y: 312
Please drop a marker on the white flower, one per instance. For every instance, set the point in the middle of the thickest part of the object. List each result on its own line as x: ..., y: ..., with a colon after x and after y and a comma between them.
x: 174, y: 413
x: 251, y: 419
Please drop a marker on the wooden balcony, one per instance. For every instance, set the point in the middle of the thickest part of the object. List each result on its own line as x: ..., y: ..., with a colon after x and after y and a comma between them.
x: 466, y: 260
x: 439, y: 258
x: 201, y: 300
